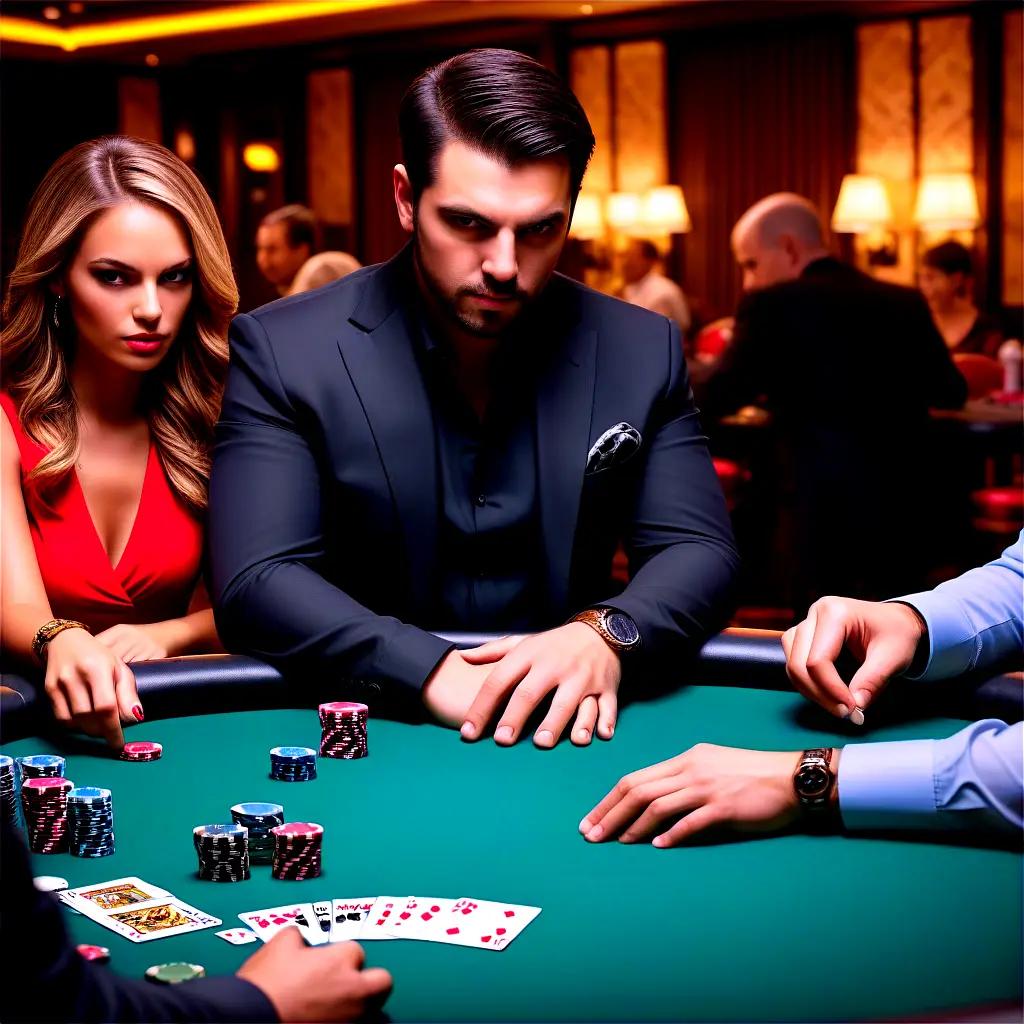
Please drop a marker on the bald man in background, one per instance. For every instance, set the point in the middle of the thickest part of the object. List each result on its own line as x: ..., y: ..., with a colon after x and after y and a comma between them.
x: 849, y: 366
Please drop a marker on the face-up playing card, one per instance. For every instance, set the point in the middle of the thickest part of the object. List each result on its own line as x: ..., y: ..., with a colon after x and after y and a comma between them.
x: 482, y: 924
x: 267, y: 923
x: 322, y: 914
x: 237, y: 936
x: 348, y: 917
x: 153, y: 919
x: 378, y: 922
x: 420, y: 917
x: 107, y: 896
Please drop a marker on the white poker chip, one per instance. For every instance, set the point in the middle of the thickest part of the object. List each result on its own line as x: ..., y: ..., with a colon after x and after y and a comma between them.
x: 49, y: 883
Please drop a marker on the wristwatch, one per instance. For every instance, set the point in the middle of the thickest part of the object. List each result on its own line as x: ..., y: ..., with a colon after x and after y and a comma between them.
x: 616, y: 629
x: 814, y: 780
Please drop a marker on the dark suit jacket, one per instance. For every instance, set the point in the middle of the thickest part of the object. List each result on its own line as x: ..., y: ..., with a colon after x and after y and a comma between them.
x: 324, y: 500
x: 45, y: 979
x: 850, y: 367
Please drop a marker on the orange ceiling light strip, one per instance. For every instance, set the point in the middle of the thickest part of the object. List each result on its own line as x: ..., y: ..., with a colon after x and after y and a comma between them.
x: 214, y: 19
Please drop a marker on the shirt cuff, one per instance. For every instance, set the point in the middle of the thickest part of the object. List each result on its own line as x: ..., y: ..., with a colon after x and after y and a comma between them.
x: 888, y: 785
x: 952, y: 646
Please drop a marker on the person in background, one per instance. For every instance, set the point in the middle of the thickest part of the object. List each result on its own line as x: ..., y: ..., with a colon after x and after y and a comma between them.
x: 47, y: 979
x: 849, y: 367
x: 321, y: 269
x: 946, y: 280
x: 285, y: 239
x: 114, y: 351
x: 647, y: 286
x: 973, y: 780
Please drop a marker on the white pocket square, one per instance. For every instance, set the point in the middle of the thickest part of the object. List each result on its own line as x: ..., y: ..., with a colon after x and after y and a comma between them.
x: 614, y: 446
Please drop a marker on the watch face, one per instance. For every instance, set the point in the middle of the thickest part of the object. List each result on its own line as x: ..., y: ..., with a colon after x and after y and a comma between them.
x: 813, y: 780
x: 622, y: 628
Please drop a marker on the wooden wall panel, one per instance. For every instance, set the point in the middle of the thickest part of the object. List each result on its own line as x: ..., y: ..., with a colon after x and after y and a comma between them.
x: 329, y: 144
x: 138, y: 108
x: 590, y: 78
x: 1013, y: 159
x: 946, y: 140
x: 641, y: 158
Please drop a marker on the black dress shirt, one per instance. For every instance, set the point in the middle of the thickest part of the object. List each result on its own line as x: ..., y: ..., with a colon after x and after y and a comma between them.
x: 489, y: 545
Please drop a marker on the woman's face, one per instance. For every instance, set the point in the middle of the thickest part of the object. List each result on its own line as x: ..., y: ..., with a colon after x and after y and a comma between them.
x: 129, y: 286
x: 940, y: 290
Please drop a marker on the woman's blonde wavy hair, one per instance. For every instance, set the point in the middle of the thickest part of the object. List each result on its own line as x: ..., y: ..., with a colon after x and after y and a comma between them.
x: 183, y: 394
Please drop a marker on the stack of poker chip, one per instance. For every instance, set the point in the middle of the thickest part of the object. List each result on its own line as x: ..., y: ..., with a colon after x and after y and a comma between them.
x: 293, y: 764
x: 174, y: 974
x: 10, y: 787
x: 298, y: 849
x: 223, y: 852
x: 259, y: 819
x: 343, y: 729
x: 142, y: 750
x: 91, y: 817
x: 42, y: 766
x: 46, y: 814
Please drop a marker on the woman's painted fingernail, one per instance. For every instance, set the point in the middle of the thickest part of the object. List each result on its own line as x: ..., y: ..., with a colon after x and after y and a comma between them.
x: 137, y: 712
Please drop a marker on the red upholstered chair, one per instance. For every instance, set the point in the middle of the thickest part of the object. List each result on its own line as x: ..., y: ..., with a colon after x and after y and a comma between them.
x: 999, y: 510
x: 982, y: 373
x: 713, y: 339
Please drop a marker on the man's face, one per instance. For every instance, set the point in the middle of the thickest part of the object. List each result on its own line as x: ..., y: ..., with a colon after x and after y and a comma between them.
x: 487, y: 236
x: 636, y: 263
x: 762, y: 265
x: 940, y: 290
x: 278, y: 261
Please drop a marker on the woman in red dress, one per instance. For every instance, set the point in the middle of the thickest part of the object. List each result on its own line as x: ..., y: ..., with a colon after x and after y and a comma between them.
x: 114, y: 350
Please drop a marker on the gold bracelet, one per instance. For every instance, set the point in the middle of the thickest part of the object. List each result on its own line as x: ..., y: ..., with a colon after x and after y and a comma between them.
x: 48, y: 630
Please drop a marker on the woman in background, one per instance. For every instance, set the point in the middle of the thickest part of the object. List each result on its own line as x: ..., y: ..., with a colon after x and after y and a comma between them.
x: 947, y: 282
x: 114, y: 350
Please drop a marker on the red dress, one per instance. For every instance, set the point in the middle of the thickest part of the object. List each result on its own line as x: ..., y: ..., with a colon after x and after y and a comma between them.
x: 156, y: 576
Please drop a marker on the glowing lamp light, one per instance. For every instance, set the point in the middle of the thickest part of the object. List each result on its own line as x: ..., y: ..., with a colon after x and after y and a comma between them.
x: 663, y: 211
x: 863, y: 205
x: 947, y: 202
x: 587, y: 217
x: 623, y: 210
x: 261, y: 157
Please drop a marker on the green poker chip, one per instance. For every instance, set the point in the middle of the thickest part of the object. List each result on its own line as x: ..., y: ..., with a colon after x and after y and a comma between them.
x: 173, y: 974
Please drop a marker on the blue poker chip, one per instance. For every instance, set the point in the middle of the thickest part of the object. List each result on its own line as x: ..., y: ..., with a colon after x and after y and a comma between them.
x: 10, y: 788
x: 91, y: 821
x: 42, y: 766
x: 259, y: 819
x: 293, y: 764
x: 223, y: 852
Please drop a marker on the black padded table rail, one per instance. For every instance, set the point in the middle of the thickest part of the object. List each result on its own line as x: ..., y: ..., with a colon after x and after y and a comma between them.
x: 203, y: 684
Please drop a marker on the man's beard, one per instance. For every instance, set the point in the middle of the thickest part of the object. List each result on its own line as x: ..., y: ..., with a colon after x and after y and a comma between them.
x: 478, y: 323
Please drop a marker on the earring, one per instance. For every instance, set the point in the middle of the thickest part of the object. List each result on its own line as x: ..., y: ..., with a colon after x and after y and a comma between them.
x: 55, y: 312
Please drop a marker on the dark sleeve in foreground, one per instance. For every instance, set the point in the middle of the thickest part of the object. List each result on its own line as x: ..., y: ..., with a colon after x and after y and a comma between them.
x: 46, y: 980
x: 266, y: 541
x: 682, y: 555
x: 944, y: 385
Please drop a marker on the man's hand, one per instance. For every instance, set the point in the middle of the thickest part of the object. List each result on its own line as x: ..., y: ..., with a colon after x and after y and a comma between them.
x: 452, y: 687
x: 321, y: 984
x: 573, y: 661
x: 748, y: 790
x: 883, y: 637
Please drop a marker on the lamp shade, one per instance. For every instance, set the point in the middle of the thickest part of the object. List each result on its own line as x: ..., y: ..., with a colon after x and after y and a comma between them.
x: 663, y: 211
x: 623, y: 210
x: 947, y: 202
x: 863, y: 205
x: 587, y: 217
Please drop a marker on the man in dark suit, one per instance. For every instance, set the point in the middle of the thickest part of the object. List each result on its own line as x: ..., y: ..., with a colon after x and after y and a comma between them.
x: 850, y: 367
x: 459, y: 438
x: 45, y: 979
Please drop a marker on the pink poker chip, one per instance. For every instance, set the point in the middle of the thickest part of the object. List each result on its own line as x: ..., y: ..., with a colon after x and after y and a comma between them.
x: 343, y: 707
x: 48, y: 783
x: 303, y: 829
x: 141, y: 751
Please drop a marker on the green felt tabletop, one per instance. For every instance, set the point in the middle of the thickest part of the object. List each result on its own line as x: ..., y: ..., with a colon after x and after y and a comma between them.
x: 792, y: 927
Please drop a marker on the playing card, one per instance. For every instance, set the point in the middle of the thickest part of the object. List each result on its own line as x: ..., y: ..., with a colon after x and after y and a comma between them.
x: 237, y: 936
x: 349, y: 915
x: 321, y: 923
x: 482, y: 924
x: 107, y: 896
x: 420, y: 918
x: 154, y: 919
x: 378, y: 921
x: 267, y: 923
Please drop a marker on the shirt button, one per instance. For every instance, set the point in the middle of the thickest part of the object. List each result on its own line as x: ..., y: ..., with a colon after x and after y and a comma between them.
x: 481, y: 500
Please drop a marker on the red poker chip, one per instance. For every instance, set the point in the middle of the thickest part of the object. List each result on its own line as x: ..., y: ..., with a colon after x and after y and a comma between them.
x: 99, y: 954
x: 141, y: 751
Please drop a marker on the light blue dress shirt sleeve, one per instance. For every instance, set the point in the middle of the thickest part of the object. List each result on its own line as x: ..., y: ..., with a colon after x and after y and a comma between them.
x: 974, y: 779
x: 976, y: 619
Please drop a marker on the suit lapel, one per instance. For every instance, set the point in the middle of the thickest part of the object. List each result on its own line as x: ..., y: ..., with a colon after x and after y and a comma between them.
x: 565, y: 403
x: 384, y: 371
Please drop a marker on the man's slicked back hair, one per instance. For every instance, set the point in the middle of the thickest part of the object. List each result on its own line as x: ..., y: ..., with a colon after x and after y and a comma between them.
x: 498, y: 101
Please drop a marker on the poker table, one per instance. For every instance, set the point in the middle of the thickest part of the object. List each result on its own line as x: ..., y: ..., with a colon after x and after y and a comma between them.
x: 789, y: 927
